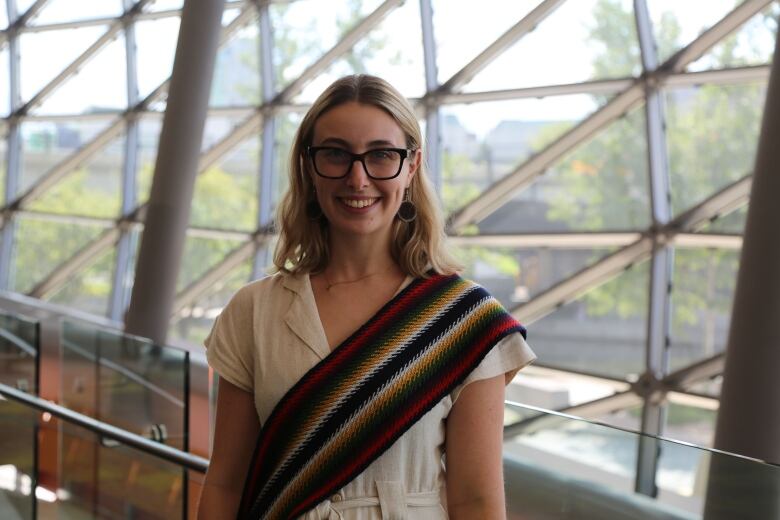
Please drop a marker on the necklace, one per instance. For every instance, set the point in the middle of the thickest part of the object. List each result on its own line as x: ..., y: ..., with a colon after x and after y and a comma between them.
x: 331, y: 284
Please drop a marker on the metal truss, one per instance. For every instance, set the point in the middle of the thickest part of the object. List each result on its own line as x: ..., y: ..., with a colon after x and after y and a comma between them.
x: 656, y: 243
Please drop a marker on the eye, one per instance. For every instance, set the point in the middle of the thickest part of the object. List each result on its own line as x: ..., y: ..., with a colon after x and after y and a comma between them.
x: 382, y: 155
x: 334, y: 154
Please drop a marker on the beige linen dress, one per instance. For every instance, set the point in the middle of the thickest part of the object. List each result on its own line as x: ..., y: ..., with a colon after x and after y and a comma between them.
x: 269, y: 335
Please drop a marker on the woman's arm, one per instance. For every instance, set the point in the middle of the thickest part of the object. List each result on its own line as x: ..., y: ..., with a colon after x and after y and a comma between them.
x: 474, y: 445
x: 235, y: 435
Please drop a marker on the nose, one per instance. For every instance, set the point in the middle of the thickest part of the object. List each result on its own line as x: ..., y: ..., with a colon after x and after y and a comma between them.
x: 357, y: 177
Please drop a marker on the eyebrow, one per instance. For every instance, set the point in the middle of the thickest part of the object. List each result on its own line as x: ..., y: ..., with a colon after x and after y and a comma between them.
x: 346, y: 144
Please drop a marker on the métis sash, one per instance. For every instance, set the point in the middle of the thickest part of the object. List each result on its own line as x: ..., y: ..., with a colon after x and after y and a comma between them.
x: 354, y: 404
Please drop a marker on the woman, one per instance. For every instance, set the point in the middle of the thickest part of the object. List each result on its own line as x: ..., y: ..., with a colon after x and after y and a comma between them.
x: 365, y: 357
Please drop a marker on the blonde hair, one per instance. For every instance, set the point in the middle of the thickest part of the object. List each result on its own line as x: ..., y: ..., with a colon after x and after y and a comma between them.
x: 303, y: 245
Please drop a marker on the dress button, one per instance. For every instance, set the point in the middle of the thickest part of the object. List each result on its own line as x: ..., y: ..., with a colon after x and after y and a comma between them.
x: 336, y: 498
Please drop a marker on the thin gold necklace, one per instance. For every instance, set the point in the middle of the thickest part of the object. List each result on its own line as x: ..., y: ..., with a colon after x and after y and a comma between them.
x: 329, y: 284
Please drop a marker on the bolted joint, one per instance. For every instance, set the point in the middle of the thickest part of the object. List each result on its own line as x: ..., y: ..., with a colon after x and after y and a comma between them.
x: 650, y: 387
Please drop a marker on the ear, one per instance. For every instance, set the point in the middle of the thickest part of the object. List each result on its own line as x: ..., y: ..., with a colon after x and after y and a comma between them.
x: 414, y: 163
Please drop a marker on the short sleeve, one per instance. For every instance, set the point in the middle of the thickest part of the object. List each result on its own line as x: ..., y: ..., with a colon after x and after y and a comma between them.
x: 510, y: 354
x: 230, y: 344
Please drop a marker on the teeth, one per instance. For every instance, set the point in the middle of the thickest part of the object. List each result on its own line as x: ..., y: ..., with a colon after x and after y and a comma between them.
x: 362, y: 203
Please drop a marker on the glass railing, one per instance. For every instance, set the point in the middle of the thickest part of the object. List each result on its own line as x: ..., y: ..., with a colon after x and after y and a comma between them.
x: 19, y: 346
x: 558, y: 466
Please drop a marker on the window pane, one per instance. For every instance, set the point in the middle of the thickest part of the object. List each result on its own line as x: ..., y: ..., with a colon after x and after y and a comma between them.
x: 90, y: 289
x: 236, y: 80
x: 46, y: 54
x: 712, y: 134
x: 156, y: 47
x: 602, y: 332
x: 201, y: 254
x: 58, y: 11
x: 5, y: 86
x: 99, y: 86
x: 93, y: 190
x: 600, y: 185
x: 482, y: 142
x: 601, y: 42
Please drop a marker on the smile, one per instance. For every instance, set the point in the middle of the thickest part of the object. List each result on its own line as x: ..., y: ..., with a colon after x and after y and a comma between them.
x: 359, y: 203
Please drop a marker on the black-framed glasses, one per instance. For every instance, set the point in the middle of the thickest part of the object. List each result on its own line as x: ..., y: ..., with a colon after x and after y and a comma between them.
x: 380, y: 163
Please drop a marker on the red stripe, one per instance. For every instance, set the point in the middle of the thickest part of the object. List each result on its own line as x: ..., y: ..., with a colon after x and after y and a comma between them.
x: 436, y: 393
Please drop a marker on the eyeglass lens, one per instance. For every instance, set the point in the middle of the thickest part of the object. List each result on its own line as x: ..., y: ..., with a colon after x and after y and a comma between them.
x: 380, y: 164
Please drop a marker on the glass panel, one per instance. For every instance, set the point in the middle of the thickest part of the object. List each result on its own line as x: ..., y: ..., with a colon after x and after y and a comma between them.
x: 93, y: 190
x: 600, y: 185
x: 5, y: 86
x: 164, y: 5
x: 193, y: 323
x: 226, y: 193
x: 702, y: 296
x: 148, y: 139
x: 601, y: 42
x: 102, y: 479
x: 482, y: 142
x: 733, y: 222
x: 306, y: 29
x: 17, y: 460
x: 43, y: 245
x: 90, y: 289
x: 19, y: 347
x: 99, y: 86
x: 712, y: 136
x: 58, y: 11
x: 401, y: 63
x: 693, y: 424
x: 236, y: 80
x: 602, y: 332
x: 156, y: 47
x: 200, y: 254
x: 752, y: 44
x: 46, y: 54
x: 3, y: 14
x: 557, y: 467
x: 286, y: 125
x: 3, y: 163
x: 45, y: 144
x: 676, y: 24
x: 462, y: 31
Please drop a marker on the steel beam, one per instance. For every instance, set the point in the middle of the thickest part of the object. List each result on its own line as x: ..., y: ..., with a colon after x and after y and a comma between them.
x: 547, y: 240
x: 606, y: 86
x: 527, y: 24
x: 733, y: 76
x: 699, y: 371
x: 707, y: 240
x: 432, y: 145
x: 729, y: 198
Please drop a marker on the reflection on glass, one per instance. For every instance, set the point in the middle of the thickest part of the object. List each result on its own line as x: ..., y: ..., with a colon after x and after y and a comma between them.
x: 462, y: 31
x: 600, y: 185
x: 46, y: 144
x: 58, y: 11
x: 751, y: 44
x: 93, y: 190
x: 702, y: 295
x: 46, y: 54
x: 602, y: 332
x: 382, y: 53
x: 99, y: 86
x: 483, y: 142
x: 19, y: 344
x: 693, y: 423
x: 712, y: 133
x: 601, y: 43
x: 45, y: 246
x: 17, y: 460
x: 90, y: 289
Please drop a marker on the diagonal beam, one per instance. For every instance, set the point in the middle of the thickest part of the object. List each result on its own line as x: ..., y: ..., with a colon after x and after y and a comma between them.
x: 29, y: 14
x: 587, y: 278
x: 525, y: 174
x: 705, y: 369
x: 723, y: 202
x: 81, y: 260
x: 527, y: 24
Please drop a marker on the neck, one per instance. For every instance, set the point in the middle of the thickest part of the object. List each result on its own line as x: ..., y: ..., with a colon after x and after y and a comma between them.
x: 353, y: 257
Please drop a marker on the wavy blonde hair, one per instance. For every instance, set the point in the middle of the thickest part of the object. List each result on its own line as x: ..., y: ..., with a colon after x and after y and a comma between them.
x: 303, y: 245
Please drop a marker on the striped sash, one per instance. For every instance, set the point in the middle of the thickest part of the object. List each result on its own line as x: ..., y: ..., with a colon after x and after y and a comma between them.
x: 354, y: 404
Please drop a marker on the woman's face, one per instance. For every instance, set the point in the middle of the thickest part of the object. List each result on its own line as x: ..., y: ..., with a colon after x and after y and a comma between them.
x: 357, y: 204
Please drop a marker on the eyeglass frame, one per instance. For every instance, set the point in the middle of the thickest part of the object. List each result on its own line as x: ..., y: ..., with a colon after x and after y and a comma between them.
x: 403, y: 152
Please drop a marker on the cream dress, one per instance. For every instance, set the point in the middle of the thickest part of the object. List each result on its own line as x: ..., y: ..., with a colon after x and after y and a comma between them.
x: 269, y: 335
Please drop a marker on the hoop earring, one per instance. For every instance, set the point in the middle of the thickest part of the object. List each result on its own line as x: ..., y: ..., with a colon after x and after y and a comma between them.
x: 407, y: 211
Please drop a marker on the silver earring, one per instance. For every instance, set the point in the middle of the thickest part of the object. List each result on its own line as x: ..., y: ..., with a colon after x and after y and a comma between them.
x: 407, y: 212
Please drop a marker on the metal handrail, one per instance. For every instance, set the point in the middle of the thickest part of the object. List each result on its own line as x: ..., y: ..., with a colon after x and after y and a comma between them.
x: 167, y: 453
